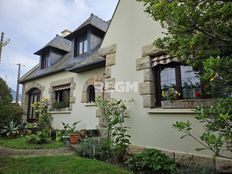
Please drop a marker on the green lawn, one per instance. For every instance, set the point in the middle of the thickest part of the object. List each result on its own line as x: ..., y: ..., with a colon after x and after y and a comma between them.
x: 20, y: 143
x: 57, y: 165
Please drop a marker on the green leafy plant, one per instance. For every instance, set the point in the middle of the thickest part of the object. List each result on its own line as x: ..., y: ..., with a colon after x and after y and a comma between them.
x: 8, y: 110
x: 59, y: 105
x: 217, y: 121
x: 44, y: 120
x: 115, y: 115
x: 40, y: 137
x: 11, y: 130
x: 151, y: 161
x: 94, y: 148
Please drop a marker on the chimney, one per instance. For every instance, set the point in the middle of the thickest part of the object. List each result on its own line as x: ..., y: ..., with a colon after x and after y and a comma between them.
x: 65, y: 33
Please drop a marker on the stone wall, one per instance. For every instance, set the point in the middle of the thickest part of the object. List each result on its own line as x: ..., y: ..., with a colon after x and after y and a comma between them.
x: 109, y: 82
x: 147, y: 87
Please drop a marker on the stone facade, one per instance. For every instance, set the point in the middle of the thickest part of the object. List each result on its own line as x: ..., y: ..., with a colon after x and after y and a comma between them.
x: 147, y: 87
x: 109, y: 83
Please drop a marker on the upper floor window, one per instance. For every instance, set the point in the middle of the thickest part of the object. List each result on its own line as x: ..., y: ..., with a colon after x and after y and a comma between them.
x: 45, y: 62
x: 81, y: 45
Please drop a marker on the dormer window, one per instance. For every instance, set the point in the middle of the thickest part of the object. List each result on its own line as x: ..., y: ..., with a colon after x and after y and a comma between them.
x: 45, y: 61
x: 81, y: 45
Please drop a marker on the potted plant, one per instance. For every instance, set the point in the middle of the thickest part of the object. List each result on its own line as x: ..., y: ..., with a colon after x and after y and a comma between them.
x: 70, y: 130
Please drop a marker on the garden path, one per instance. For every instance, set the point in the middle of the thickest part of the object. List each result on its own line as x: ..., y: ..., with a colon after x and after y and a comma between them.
x: 35, y: 152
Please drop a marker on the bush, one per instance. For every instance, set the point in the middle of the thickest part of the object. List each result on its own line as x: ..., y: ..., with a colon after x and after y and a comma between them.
x: 94, y: 148
x: 40, y: 137
x: 8, y: 110
x: 151, y: 161
x: 11, y: 130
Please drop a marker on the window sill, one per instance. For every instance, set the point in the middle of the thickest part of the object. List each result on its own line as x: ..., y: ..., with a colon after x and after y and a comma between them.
x: 187, y: 103
x: 90, y: 104
x: 60, y: 111
x: 171, y: 111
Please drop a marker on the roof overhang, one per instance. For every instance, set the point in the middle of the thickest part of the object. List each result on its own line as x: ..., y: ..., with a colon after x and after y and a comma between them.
x: 88, y: 66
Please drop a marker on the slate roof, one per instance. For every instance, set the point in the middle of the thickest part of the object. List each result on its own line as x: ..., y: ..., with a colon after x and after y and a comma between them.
x: 59, y: 43
x: 68, y: 62
x: 94, y: 21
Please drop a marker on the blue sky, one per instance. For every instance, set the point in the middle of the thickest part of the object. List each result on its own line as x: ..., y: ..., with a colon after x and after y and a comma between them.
x: 30, y: 24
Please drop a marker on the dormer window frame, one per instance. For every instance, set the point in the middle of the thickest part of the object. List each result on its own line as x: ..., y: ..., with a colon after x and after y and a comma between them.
x: 44, y: 62
x: 81, y: 44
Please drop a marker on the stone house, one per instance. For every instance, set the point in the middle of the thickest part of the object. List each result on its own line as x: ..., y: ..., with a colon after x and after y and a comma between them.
x: 123, y: 56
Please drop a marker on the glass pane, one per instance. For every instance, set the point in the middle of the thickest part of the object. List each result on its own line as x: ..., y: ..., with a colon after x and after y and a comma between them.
x: 190, y: 83
x: 85, y: 46
x: 81, y: 48
x: 167, y: 81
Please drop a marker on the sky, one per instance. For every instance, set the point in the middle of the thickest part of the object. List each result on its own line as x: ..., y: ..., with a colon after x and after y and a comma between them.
x: 30, y: 24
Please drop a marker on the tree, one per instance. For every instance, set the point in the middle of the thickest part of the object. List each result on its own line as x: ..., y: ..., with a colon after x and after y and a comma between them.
x: 199, y: 33
x: 8, y: 110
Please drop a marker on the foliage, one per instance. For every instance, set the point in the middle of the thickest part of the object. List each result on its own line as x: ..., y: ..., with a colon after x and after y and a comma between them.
x: 59, y: 105
x: 21, y: 143
x: 11, y: 130
x: 67, y: 129
x: 40, y: 137
x: 195, y: 30
x: 94, y: 148
x: 151, y: 160
x: 217, y: 121
x: 45, y: 118
x: 68, y: 164
x: 170, y: 94
x: 8, y: 110
x: 116, y: 115
x: 199, y: 33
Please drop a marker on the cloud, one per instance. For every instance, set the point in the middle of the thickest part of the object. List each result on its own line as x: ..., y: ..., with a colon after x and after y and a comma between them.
x: 30, y: 24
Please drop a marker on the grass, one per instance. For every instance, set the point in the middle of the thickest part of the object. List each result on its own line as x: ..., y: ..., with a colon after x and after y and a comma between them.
x: 20, y: 143
x: 57, y: 165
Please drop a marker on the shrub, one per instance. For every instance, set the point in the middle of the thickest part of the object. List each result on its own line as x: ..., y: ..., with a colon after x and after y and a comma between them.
x: 40, y: 137
x: 11, y: 130
x: 94, y: 148
x: 151, y: 161
x: 45, y: 119
x: 8, y: 110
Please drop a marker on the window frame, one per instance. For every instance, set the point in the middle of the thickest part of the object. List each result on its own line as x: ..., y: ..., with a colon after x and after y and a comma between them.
x: 157, y: 77
x: 59, y: 94
x: 45, y: 61
x: 91, y: 94
x: 32, y: 95
x: 78, y: 40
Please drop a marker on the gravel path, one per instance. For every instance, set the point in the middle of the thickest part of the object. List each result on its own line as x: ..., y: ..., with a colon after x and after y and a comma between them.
x: 40, y: 152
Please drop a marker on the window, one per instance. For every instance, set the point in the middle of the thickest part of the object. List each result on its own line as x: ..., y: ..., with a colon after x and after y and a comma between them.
x: 175, y: 81
x: 61, y: 97
x: 90, y: 94
x: 81, y: 45
x: 45, y: 62
x: 33, y: 96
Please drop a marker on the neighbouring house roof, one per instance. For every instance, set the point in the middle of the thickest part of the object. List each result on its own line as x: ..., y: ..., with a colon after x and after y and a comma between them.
x: 93, y: 21
x: 59, y: 43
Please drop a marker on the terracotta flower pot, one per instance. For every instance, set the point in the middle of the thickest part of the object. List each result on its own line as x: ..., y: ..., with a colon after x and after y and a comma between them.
x: 73, y: 138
